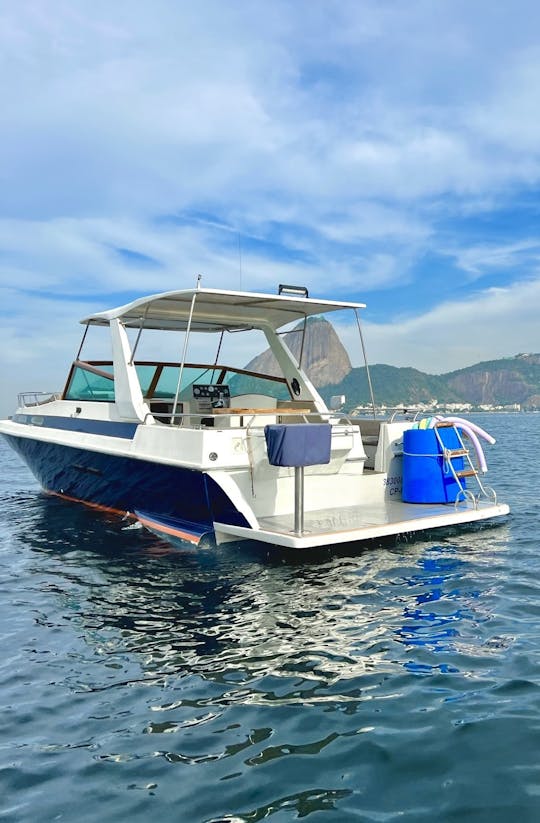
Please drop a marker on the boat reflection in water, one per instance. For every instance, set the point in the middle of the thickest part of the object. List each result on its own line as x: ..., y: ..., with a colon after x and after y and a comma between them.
x: 241, y: 618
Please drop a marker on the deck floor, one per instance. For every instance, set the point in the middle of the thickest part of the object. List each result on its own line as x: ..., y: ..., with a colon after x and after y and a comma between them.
x: 330, y: 520
x: 362, y: 522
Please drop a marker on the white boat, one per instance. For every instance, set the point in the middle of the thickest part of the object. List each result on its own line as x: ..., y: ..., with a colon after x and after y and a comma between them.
x: 194, y: 446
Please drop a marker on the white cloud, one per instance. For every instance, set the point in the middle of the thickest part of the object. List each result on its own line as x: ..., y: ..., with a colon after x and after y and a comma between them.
x: 497, y: 322
x: 481, y: 259
x: 337, y: 138
x: 225, y: 103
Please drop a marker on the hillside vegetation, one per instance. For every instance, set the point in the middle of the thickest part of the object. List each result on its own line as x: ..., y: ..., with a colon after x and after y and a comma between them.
x: 506, y: 381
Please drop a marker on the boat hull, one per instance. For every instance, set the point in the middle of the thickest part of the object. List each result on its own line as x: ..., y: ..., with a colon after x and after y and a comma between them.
x: 185, y: 503
x: 187, y: 500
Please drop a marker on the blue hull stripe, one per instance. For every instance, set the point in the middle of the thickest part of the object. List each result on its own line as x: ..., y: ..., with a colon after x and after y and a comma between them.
x: 78, y: 424
x: 164, y: 493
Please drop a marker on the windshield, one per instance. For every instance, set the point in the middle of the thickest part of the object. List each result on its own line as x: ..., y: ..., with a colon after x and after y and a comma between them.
x: 94, y: 380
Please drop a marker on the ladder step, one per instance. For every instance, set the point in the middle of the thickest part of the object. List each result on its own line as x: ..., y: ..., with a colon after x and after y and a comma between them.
x: 457, y: 452
x: 444, y: 424
x: 467, y: 473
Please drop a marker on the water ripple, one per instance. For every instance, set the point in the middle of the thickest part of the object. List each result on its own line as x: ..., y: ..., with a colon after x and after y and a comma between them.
x: 233, y: 685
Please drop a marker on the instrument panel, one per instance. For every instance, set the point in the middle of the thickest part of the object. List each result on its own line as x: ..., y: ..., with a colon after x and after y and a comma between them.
x: 213, y: 395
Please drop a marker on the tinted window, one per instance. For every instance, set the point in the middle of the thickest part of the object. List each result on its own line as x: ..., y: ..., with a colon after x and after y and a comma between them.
x: 85, y: 385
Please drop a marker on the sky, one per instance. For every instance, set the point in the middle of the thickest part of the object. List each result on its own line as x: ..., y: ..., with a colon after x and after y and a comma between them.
x: 384, y: 151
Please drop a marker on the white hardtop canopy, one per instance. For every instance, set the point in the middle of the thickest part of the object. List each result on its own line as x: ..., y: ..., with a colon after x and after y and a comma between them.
x: 216, y: 310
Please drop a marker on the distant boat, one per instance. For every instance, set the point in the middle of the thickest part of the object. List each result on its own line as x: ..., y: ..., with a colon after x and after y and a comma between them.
x: 197, y: 447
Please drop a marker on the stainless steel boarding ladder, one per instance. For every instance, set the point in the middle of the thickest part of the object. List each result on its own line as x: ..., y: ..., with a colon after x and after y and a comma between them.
x: 470, y: 470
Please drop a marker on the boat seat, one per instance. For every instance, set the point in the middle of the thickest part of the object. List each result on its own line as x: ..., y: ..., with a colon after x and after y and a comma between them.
x: 298, y: 408
x: 240, y: 418
x: 253, y: 401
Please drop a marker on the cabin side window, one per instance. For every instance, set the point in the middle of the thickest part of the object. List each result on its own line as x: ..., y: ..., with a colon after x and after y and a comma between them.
x: 91, y: 384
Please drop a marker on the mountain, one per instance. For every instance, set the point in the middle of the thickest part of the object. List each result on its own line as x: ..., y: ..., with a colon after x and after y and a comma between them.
x: 494, y: 382
x: 511, y: 380
x: 324, y: 358
x: 392, y: 386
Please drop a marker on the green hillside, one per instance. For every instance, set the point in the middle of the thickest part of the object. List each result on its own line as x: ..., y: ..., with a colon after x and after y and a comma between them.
x: 507, y: 381
x: 392, y: 386
x: 496, y: 382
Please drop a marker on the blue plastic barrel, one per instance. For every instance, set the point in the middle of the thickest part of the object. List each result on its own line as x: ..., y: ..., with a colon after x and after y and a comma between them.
x: 427, y: 478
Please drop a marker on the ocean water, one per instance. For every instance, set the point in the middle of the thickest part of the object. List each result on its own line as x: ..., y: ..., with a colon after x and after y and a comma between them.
x: 397, y: 683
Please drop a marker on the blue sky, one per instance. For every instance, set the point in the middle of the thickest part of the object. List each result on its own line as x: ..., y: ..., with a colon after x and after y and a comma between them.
x: 382, y: 151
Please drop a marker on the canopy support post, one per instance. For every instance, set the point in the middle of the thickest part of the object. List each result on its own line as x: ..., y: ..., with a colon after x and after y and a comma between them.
x: 299, y: 500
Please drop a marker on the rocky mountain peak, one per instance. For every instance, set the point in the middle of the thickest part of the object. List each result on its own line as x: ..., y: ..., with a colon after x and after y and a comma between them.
x: 324, y: 358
